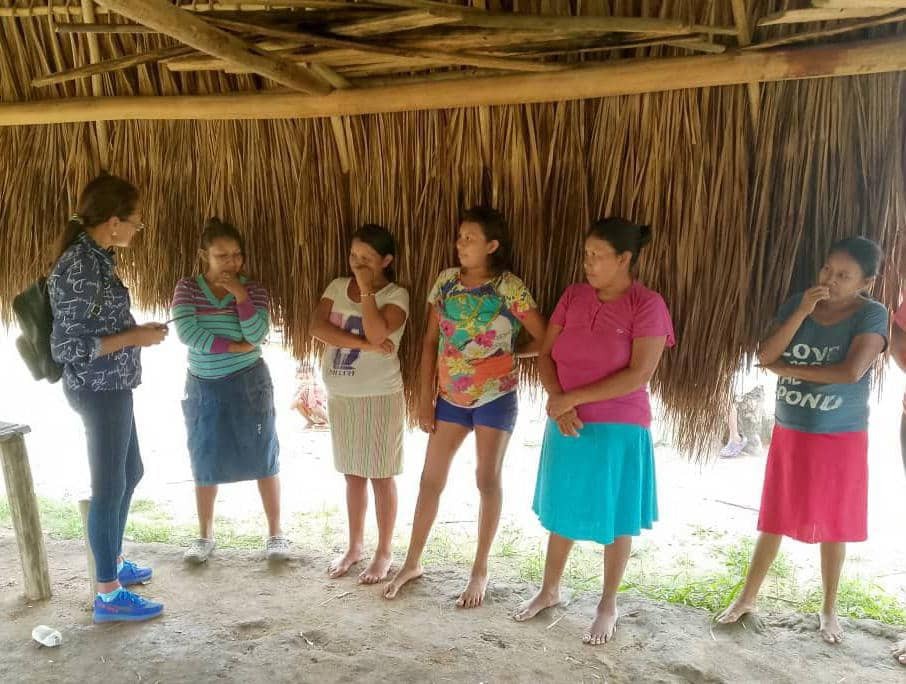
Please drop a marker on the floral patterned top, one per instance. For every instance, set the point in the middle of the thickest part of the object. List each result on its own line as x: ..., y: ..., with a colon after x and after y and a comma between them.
x: 478, y: 331
x: 88, y: 302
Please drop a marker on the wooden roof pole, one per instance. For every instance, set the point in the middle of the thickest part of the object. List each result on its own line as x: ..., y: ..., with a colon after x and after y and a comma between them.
x: 189, y: 29
x: 892, y: 18
x: 618, y: 77
x: 744, y: 38
x: 108, y: 65
x: 61, y: 10
x: 97, y: 85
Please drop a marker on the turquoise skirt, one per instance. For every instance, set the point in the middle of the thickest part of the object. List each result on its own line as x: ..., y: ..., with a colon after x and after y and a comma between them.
x: 597, y: 486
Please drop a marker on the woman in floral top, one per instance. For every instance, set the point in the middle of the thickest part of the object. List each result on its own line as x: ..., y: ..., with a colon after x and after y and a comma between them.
x: 468, y: 381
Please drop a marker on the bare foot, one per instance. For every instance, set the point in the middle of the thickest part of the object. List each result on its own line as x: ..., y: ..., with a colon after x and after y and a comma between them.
x: 603, y: 628
x: 540, y: 601
x: 830, y: 628
x: 899, y: 652
x: 377, y: 569
x: 473, y: 596
x: 401, y: 578
x: 340, y: 565
x: 737, y: 610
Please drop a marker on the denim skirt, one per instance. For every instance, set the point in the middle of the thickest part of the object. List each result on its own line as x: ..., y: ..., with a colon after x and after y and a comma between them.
x: 230, y: 424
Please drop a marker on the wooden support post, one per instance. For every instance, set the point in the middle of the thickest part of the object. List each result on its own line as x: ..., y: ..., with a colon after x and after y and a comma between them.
x: 744, y: 38
x: 84, y: 506
x: 23, y: 507
x: 97, y: 86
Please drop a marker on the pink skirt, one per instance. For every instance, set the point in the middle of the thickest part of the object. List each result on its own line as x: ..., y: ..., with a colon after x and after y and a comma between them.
x: 816, y: 486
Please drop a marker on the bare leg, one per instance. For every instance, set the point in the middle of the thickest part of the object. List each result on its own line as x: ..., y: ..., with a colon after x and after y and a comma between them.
x: 385, y: 504
x: 442, y: 446
x: 269, y: 488
x: 204, y: 504
x: 733, y: 423
x: 832, y: 556
x: 548, y: 595
x: 765, y: 552
x: 616, y: 555
x: 356, y: 507
x: 491, y: 446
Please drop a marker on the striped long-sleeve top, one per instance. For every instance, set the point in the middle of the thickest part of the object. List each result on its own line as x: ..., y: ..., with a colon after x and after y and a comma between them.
x: 207, y: 325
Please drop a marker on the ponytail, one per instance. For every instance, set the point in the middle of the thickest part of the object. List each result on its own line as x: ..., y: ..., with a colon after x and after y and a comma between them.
x: 624, y: 236
x: 103, y: 198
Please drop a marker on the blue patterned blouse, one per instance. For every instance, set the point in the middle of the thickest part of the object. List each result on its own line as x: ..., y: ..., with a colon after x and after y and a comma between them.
x: 89, y: 301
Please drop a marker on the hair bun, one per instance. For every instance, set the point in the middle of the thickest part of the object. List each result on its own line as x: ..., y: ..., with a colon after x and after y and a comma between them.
x: 644, y: 235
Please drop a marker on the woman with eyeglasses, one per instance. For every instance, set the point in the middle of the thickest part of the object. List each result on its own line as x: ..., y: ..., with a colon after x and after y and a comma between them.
x: 222, y: 317
x: 96, y: 340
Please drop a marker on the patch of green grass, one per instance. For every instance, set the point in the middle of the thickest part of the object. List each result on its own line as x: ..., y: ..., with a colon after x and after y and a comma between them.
x: 685, y: 584
x: 146, y: 506
x: 447, y: 547
x: 706, y: 533
x: 60, y: 519
x: 531, y: 565
x: 859, y: 599
x: 584, y: 569
x: 508, y: 543
x: 144, y: 533
x: 5, y: 518
x: 711, y: 592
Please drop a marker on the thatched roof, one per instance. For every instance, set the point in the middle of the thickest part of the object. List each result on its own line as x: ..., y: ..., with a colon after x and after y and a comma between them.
x: 299, y: 120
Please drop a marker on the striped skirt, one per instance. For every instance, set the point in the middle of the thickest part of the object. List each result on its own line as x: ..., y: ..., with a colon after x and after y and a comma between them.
x: 367, y: 434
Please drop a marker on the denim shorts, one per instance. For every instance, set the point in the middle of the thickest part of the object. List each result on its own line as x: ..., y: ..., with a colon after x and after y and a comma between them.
x: 499, y: 414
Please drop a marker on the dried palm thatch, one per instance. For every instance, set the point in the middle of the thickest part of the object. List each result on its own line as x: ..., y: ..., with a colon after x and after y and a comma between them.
x: 741, y: 217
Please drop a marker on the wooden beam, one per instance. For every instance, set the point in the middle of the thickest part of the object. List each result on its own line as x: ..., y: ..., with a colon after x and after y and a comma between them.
x: 115, y: 64
x: 330, y: 57
x: 585, y: 48
x: 450, y: 58
x: 455, y: 40
x: 810, y: 14
x: 392, y: 22
x: 102, y: 28
x: 617, y: 77
x: 62, y: 10
x: 699, y: 46
x: 585, y: 24
x: 861, y: 4
x: 471, y: 16
x: 893, y: 18
x: 191, y: 30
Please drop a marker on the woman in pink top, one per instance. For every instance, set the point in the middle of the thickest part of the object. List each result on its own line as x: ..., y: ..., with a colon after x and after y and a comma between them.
x: 596, y: 474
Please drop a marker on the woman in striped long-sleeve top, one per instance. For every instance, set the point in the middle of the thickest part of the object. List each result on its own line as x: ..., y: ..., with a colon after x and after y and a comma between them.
x: 222, y: 317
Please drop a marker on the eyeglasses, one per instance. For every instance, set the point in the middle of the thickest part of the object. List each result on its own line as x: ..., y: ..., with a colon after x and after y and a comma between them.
x: 139, y: 226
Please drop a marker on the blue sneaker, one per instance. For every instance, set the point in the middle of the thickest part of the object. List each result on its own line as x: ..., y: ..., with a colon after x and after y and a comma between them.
x: 126, y: 607
x: 133, y: 574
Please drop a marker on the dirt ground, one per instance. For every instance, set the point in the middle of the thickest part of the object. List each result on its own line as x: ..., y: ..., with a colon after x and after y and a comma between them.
x: 239, y: 619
